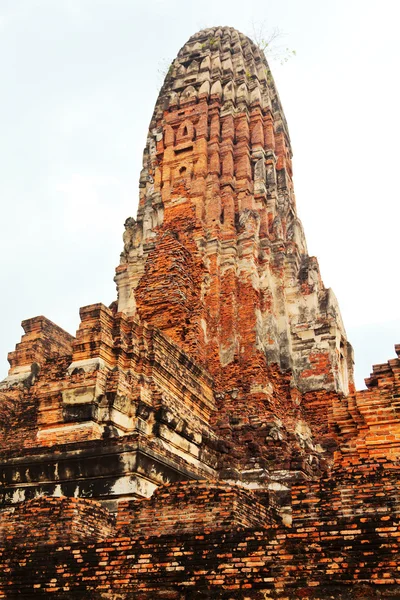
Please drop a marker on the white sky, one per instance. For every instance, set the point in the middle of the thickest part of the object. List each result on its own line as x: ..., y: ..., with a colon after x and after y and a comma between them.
x: 79, y: 79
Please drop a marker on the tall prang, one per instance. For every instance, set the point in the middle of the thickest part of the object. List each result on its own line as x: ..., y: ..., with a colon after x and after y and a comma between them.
x: 222, y: 353
x: 217, y: 257
x: 211, y: 408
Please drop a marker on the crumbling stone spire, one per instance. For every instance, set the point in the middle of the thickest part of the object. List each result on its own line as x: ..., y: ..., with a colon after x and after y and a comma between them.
x: 217, y: 257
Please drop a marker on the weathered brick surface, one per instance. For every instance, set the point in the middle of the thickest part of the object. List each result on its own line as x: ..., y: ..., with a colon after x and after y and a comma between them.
x: 318, y: 557
x: 368, y: 421
x: 50, y: 521
x: 43, y: 339
x: 224, y: 329
x: 211, y: 407
x: 193, y: 507
x: 217, y: 256
x: 18, y: 419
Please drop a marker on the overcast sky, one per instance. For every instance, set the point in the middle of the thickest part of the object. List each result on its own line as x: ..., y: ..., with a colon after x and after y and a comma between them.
x: 79, y: 79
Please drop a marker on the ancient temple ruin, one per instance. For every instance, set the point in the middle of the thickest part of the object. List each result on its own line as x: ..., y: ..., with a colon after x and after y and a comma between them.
x: 202, y: 437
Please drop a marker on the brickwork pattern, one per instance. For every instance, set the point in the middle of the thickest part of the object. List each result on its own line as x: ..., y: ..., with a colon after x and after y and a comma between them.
x: 193, y: 507
x: 211, y: 408
x: 50, y: 521
x: 323, y: 554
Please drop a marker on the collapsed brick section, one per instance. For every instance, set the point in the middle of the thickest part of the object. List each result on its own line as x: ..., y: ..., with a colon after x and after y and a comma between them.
x: 169, y: 292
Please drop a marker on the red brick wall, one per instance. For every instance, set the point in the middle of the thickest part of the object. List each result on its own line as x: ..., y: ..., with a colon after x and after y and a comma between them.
x: 48, y: 521
x: 193, y: 506
x: 252, y: 563
x: 328, y: 553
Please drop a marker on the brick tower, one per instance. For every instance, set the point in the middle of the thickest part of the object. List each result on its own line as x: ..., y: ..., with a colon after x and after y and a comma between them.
x: 214, y: 397
x: 217, y: 257
x: 223, y: 348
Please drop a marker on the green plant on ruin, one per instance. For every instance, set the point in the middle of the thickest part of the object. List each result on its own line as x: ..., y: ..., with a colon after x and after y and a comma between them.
x: 165, y: 69
x: 268, y: 43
